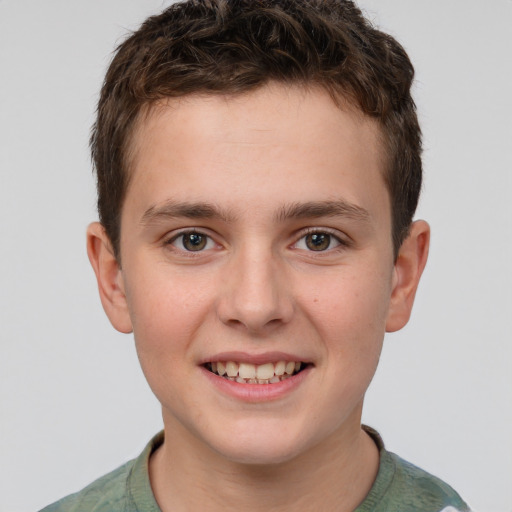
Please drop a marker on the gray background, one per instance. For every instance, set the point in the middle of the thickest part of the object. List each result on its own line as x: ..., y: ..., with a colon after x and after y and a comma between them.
x: 73, y: 401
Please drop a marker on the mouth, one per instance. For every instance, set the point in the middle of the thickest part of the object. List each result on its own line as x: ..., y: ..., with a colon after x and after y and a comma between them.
x: 247, y: 373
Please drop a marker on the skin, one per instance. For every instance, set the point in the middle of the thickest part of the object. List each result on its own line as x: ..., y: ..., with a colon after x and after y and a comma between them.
x: 244, y: 172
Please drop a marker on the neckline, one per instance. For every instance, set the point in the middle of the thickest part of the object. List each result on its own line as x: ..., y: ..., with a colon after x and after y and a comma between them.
x: 141, y: 497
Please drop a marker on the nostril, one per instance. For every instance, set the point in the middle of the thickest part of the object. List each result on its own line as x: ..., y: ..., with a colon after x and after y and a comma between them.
x: 254, y: 299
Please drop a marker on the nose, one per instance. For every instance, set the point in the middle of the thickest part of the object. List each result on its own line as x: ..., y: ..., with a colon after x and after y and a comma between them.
x: 256, y: 292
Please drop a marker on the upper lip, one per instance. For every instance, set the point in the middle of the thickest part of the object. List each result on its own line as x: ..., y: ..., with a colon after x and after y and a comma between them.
x: 251, y: 358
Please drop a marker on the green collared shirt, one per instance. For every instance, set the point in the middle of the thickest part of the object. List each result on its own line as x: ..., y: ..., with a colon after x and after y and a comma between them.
x: 399, y: 487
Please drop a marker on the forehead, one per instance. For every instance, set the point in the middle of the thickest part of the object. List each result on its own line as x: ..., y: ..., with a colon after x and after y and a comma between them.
x: 259, y: 145
x: 267, y: 108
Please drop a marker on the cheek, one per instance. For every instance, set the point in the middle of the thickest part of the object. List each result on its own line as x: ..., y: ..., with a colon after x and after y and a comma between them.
x: 356, y: 302
x: 349, y: 313
x: 166, y: 319
x: 166, y: 313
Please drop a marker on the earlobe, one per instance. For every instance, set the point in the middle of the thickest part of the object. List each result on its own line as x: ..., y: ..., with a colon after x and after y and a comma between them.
x: 409, y: 266
x: 109, y: 277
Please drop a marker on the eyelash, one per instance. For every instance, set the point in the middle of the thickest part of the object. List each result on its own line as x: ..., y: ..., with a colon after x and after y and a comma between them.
x: 341, y: 243
x: 182, y: 234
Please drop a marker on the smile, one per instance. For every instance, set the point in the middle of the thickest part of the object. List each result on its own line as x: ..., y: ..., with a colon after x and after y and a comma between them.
x: 247, y: 373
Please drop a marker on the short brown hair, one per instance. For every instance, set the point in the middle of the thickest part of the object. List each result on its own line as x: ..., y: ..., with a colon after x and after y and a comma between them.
x: 235, y: 46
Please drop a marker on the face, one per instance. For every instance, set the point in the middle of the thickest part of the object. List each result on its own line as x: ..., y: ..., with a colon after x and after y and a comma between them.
x: 256, y: 241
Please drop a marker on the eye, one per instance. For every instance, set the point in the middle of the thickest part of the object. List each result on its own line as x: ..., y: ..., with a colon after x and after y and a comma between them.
x: 318, y: 241
x: 192, y: 241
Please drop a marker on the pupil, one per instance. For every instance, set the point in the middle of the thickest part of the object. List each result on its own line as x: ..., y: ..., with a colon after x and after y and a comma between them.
x: 194, y: 242
x: 318, y: 241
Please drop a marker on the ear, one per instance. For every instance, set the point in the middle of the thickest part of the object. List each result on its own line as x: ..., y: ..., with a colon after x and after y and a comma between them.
x: 109, y: 276
x: 409, y: 266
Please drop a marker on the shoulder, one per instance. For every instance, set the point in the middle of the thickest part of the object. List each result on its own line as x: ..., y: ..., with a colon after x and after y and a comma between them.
x: 419, y: 490
x: 108, y: 493
x: 402, y: 487
x: 126, y: 489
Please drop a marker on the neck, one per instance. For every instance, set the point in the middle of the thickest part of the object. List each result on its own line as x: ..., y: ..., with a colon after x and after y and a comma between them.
x: 333, y: 476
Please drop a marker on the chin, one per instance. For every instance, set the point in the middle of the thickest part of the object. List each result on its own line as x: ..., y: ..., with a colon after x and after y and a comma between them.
x: 260, y: 455
x: 260, y: 448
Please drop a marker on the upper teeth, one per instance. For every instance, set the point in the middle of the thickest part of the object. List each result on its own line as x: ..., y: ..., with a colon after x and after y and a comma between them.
x: 251, y: 371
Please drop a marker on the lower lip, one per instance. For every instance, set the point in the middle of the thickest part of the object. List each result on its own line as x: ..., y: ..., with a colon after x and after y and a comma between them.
x: 257, y: 392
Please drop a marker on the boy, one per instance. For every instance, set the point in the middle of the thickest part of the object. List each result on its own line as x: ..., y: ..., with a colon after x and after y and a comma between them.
x: 258, y: 170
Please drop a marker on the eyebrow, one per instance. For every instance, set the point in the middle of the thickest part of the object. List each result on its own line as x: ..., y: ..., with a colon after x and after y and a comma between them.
x: 172, y: 209
x: 316, y: 209
x: 199, y: 210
